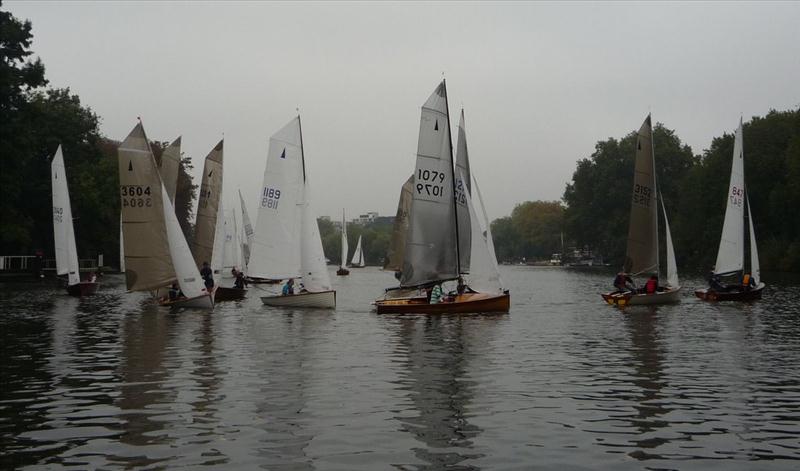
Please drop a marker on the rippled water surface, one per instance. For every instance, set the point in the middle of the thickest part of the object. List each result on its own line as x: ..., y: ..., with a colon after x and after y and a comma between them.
x: 562, y: 381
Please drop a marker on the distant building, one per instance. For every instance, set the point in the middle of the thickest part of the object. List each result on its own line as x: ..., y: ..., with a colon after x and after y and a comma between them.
x: 364, y: 219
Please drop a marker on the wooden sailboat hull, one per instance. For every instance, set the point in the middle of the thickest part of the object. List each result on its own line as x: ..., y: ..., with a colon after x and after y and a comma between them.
x: 668, y: 296
x: 205, y: 301
x: 708, y: 294
x: 462, y: 304
x: 261, y: 281
x: 229, y: 294
x: 84, y: 288
x: 322, y: 299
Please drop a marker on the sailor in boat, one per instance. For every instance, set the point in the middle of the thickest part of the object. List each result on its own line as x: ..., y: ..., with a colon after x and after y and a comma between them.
x: 623, y: 283
x: 239, y: 282
x: 175, y: 292
x: 288, y: 288
x: 207, y: 275
x: 651, y: 286
x: 92, y: 277
x: 748, y: 282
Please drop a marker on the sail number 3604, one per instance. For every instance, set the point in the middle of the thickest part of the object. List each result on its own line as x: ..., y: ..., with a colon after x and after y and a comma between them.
x: 270, y: 197
x: 430, y: 183
x: 135, y: 196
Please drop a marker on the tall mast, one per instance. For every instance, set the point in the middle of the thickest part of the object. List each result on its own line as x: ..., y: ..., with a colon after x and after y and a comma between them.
x: 452, y: 177
x: 302, y: 151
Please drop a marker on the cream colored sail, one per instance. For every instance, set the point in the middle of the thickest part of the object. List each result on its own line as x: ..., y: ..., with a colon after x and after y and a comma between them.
x: 463, y: 186
x: 169, y: 168
x: 63, y: 231
x: 358, y: 255
x: 208, y: 205
x: 148, y: 262
x: 642, y: 251
x: 397, y: 246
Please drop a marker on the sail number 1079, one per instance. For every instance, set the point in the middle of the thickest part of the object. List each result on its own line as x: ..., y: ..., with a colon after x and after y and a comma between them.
x: 430, y: 183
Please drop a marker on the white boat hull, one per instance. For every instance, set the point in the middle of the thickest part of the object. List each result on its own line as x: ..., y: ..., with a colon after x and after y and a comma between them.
x: 205, y: 301
x: 322, y: 299
x: 669, y: 296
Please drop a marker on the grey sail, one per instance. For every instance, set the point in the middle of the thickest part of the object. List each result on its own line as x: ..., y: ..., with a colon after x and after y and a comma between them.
x: 207, y: 206
x: 463, y: 188
x: 642, y: 253
x: 397, y: 246
x: 431, y: 246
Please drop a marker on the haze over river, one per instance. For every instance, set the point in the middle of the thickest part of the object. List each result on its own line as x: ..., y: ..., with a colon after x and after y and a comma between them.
x: 562, y: 381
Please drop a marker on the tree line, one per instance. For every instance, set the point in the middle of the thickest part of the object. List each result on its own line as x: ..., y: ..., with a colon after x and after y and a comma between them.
x: 596, y: 202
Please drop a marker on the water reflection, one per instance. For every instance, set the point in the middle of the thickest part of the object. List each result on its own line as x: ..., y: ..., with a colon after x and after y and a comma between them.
x: 436, y: 352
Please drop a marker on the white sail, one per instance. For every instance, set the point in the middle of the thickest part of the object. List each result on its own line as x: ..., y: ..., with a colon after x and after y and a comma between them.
x: 218, y: 251
x: 358, y: 255
x: 312, y: 257
x: 64, y: 232
x: 730, y: 257
x: 672, y: 267
x: 463, y: 186
x: 345, y: 248
x: 231, y: 246
x: 755, y: 268
x: 431, y: 245
x: 248, y: 232
x: 185, y: 269
x: 275, y: 250
x: 484, y: 275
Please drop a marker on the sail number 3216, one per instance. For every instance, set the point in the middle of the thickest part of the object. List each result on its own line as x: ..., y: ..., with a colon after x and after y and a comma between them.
x: 270, y: 197
x: 429, y: 183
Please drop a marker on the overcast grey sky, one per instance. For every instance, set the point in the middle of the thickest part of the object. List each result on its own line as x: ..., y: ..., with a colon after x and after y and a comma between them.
x: 541, y: 83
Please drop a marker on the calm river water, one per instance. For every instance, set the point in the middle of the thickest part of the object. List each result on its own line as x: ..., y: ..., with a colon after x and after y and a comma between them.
x: 562, y: 381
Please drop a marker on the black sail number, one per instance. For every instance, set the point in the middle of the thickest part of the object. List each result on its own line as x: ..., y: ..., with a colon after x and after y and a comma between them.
x: 430, y: 183
x: 135, y: 196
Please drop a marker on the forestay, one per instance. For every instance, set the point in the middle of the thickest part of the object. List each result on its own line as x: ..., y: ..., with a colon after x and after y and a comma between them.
x: 431, y: 246
x: 63, y: 231
x: 148, y: 262
x: 275, y: 250
x: 642, y: 251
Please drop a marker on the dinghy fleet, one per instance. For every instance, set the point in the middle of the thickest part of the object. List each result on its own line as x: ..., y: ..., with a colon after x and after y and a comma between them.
x: 441, y: 235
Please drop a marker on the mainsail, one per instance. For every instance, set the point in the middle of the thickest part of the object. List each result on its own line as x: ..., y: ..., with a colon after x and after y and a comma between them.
x: 248, y: 232
x: 463, y: 187
x: 345, y: 248
x: 730, y: 257
x: 275, y: 250
x: 397, y: 246
x: 170, y: 165
x: 148, y: 262
x: 208, y: 206
x: 642, y: 253
x: 431, y: 246
x: 63, y: 231
x: 358, y: 255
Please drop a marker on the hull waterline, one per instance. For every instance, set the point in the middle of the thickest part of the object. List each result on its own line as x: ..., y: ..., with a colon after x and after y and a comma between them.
x: 668, y: 296
x: 462, y: 304
x: 322, y: 299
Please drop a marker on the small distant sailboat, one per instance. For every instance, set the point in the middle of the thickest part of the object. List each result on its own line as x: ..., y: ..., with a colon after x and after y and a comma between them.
x: 439, y: 204
x: 358, y: 256
x: 642, y: 252
x: 730, y: 257
x: 64, y: 232
x: 248, y: 233
x: 156, y: 252
x: 287, y: 243
x: 343, y: 271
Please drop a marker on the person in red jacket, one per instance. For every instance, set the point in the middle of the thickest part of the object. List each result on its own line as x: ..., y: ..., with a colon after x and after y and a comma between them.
x: 652, y: 285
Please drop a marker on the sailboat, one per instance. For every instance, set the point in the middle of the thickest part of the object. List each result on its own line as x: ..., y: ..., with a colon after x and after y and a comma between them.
x: 64, y: 232
x: 226, y: 258
x: 730, y: 257
x: 641, y: 258
x: 287, y: 243
x: 432, y: 253
x: 156, y: 252
x: 342, y: 271
x: 358, y: 256
x: 248, y: 233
